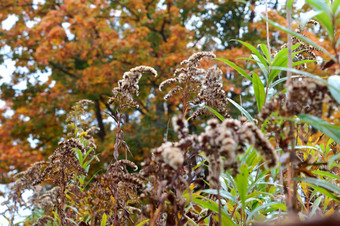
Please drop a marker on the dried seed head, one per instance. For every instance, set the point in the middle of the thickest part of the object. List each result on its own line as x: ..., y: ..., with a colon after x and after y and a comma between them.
x: 127, y: 86
x: 169, y: 154
x: 180, y: 126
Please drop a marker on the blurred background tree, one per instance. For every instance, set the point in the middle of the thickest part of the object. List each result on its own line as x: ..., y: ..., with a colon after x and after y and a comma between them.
x: 85, y: 46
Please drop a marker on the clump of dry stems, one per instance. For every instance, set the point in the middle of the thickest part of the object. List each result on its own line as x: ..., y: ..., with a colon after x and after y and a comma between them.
x: 157, y: 191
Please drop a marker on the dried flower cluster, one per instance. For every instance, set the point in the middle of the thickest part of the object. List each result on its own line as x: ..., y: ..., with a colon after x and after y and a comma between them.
x: 128, y: 86
x: 45, y: 199
x: 212, y: 94
x: 115, y: 184
x: 305, y: 95
x: 222, y: 142
x: 63, y: 163
x: 24, y: 181
x: 198, y: 86
x: 187, y: 79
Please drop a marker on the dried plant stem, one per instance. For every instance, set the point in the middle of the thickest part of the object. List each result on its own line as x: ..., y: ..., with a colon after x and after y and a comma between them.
x: 290, y: 170
x: 62, y: 201
x: 289, y: 45
x: 292, y: 154
x: 116, y: 154
x: 267, y: 27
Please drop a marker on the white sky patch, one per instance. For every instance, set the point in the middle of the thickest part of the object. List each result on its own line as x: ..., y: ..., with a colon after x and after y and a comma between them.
x: 9, y: 22
x: 22, y: 212
x: 68, y: 32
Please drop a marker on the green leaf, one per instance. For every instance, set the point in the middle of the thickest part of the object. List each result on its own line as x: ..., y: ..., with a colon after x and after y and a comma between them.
x: 224, y: 194
x: 241, y: 109
x: 88, y: 152
x: 326, y: 22
x: 315, y: 205
x: 104, y: 219
x: 242, y: 183
x: 325, y: 17
x: 143, y: 222
x: 336, y: 7
x: 332, y: 86
x: 237, y: 68
x: 246, y: 58
x: 330, y: 130
x: 282, y: 80
x: 302, y: 62
x: 321, y: 183
x: 265, y: 52
x: 71, y: 220
x: 255, y: 51
x: 299, y: 36
x: 289, y: 4
x: 331, y: 161
x: 218, y: 115
x: 263, y: 206
x: 260, y: 94
x: 79, y: 155
x: 281, y: 60
x: 325, y: 192
x: 327, y: 174
x: 262, y: 67
x: 334, y: 80
x: 213, y: 206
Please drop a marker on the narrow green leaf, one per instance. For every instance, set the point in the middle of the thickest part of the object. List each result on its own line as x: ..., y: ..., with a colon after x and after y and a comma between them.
x: 266, y: 52
x: 282, y: 80
x: 259, y: 91
x: 327, y: 174
x: 246, y: 58
x: 321, y: 183
x: 71, y: 220
x: 326, y: 22
x: 242, y: 183
x: 143, y: 222
x: 237, y: 68
x: 224, y: 194
x: 281, y: 60
x: 263, y: 206
x: 336, y: 8
x: 79, y: 155
x: 316, y: 204
x: 218, y: 115
x: 320, y: 5
x: 88, y: 152
x: 262, y: 67
x: 334, y: 80
x: 282, y: 53
x: 289, y: 4
x: 104, y: 219
x: 302, y: 62
x: 255, y: 51
x: 332, y: 86
x: 330, y: 130
x: 295, y: 34
x: 213, y: 206
x: 241, y: 109
x: 325, y: 192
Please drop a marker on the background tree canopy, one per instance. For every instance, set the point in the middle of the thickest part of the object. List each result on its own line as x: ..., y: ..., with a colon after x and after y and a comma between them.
x: 85, y: 46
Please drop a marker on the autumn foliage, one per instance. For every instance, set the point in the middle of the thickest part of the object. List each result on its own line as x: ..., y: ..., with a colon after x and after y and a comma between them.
x: 169, y: 112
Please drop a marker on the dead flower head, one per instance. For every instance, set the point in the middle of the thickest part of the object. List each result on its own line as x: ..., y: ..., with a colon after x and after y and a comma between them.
x: 127, y: 86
